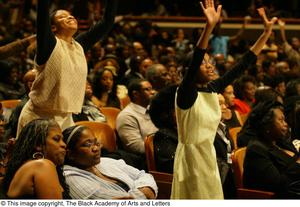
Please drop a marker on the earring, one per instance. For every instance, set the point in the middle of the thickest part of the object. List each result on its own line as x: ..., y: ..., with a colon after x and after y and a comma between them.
x: 38, y: 155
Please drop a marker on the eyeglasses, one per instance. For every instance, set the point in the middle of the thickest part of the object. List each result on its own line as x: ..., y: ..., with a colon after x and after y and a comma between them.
x: 147, y: 89
x: 211, y: 61
x: 91, y: 143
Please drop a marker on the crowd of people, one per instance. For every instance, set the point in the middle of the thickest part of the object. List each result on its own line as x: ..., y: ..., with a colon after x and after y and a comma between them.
x: 188, y: 93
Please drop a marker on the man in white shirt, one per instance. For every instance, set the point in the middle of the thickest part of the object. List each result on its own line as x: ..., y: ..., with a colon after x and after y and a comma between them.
x: 133, y: 122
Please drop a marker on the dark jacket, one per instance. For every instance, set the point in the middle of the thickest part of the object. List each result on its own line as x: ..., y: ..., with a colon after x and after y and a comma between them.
x: 269, y: 168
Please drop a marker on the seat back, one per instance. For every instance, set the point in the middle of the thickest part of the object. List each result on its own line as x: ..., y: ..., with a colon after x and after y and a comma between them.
x: 164, y: 184
x: 7, y: 108
x: 238, y: 165
x: 149, y: 151
x: 233, y: 132
x: 244, y: 117
x: 111, y: 114
x: 102, y: 131
x: 10, y: 104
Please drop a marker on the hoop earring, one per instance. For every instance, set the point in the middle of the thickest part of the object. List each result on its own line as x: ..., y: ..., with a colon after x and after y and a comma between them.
x: 38, y: 155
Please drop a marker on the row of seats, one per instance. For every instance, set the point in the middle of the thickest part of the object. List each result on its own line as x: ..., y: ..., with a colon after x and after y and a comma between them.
x: 106, y: 132
x: 164, y: 180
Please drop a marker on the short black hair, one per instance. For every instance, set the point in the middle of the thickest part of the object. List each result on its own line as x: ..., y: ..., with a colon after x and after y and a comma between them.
x: 240, y: 84
x: 162, y: 107
x: 262, y: 116
x: 135, y: 85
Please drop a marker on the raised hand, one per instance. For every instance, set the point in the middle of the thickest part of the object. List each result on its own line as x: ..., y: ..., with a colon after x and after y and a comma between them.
x: 268, y: 23
x: 281, y: 23
x: 261, y: 41
x: 212, y: 15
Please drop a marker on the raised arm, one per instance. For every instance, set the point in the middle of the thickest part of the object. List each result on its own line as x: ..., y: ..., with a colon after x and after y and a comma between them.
x: 248, y: 59
x: 15, y: 47
x: 45, y: 38
x: 281, y: 24
x: 261, y: 41
x: 101, y: 28
x: 239, y: 34
x: 292, y: 54
x: 187, y: 91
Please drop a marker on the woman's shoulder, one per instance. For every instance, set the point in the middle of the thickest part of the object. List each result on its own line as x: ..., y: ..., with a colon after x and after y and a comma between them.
x: 32, y: 165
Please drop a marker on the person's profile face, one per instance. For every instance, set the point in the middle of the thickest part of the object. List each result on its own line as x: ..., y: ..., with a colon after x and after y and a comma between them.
x: 280, y: 127
x: 55, y: 149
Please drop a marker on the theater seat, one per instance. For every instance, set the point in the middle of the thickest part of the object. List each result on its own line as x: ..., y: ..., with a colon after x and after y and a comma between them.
x: 238, y: 157
x: 102, y: 131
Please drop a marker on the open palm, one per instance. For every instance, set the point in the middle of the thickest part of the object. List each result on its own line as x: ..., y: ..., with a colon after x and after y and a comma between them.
x: 212, y: 15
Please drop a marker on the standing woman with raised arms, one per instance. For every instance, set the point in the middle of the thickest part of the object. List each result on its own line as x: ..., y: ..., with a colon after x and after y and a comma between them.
x: 198, y: 114
x: 58, y: 90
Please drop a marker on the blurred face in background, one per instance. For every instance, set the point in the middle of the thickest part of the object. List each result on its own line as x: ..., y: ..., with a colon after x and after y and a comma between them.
x: 249, y: 90
x: 107, y: 80
x: 229, y: 95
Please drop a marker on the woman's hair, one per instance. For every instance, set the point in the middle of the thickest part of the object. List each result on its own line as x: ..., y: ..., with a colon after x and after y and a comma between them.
x: 240, y: 84
x: 162, y: 107
x: 71, y: 137
x: 52, y: 17
x: 98, y: 89
x: 261, y: 117
x: 291, y: 88
x: 266, y: 94
x: 33, y: 135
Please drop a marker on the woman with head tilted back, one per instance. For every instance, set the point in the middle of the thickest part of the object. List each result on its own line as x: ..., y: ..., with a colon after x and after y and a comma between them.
x: 58, y: 90
x: 89, y: 176
x: 34, y: 170
x: 198, y: 114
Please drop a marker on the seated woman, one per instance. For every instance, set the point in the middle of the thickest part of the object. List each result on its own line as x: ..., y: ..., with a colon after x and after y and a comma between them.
x: 91, y: 177
x: 89, y: 111
x: 248, y: 132
x: 271, y: 163
x: 105, y: 88
x: 34, y: 168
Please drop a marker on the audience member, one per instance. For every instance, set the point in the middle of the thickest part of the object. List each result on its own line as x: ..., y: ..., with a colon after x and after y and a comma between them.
x: 11, y: 126
x: 89, y: 112
x: 158, y: 76
x: 162, y: 113
x: 244, y: 90
x: 105, y: 88
x: 271, y: 162
x: 232, y: 117
x: 91, y: 177
x: 248, y: 132
x: 133, y: 122
x: 224, y: 148
x: 34, y: 169
x: 58, y: 90
x: 197, y: 105
x: 10, y: 86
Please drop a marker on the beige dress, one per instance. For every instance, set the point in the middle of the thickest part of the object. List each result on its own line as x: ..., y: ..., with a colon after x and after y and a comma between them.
x: 59, y: 88
x: 196, y: 174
